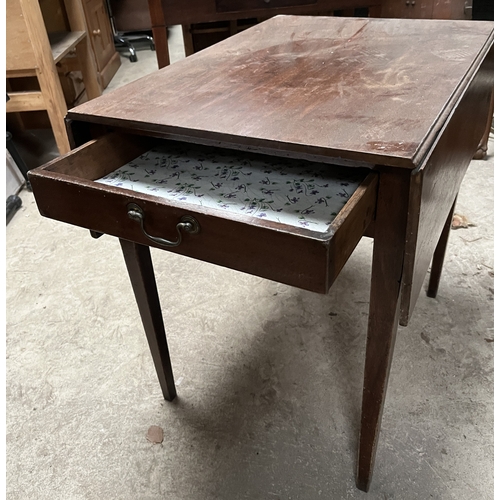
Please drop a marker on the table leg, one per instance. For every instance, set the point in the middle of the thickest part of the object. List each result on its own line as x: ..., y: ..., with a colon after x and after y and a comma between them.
x: 482, y: 149
x: 188, y: 40
x: 385, y: 298
x: 438, y: 257
x: 160, y: 32
x: 141, y: 273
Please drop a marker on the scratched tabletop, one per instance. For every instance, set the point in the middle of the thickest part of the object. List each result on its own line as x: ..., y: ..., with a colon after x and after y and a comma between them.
x: 372, y: 90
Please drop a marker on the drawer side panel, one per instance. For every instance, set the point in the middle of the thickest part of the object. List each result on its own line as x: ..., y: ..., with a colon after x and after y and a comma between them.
x: 351, y: 225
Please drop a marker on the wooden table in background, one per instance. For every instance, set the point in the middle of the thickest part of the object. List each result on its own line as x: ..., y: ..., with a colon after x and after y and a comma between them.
x: 166, y: 13
x: 408, y: 98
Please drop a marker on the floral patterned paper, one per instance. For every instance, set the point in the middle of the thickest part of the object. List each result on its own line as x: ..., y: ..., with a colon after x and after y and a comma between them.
x: 293, y: 192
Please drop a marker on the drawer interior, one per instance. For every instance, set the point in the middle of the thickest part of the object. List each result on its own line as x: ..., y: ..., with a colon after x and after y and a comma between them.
x: 293, y: 192
x: 99, y: 157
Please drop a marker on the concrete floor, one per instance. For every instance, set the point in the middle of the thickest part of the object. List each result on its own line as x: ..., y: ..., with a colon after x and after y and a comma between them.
x: 269, y: 377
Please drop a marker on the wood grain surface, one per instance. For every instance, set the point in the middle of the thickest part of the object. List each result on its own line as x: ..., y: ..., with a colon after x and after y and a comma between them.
x: 385, y: 298
x: 374, y: 90
x: 142, y: 277
x: 409, y: 97
x: 19, y: 53
x: 435, y: 187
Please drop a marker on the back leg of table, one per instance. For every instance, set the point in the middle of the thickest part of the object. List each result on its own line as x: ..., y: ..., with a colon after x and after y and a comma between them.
x: 160, y: 32
x: 385, y: 298
x: 482, y: 149
x: 141, y: 273
x: 438, y: 257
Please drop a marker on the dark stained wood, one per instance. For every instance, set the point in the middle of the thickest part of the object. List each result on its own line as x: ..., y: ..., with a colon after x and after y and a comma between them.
x: 160, y: 35
x: 435, y: 186
x: 482, y: 149
x: 348, y: 228
x: 372, y: 90
x: 161, y: 38
x: 453, y: 9
x: 98, y: 158
x: 408, y: 96
x: 203, y: 11
x: 188, y: 42
x: 202, y: 17
x: 375, y: 11
x: 425, y: 9
x: 438, y: 258
x: 296, y: 256
x: 414, y: 9
x: 95, y: 234
x: 141, y: 273
x: 436, y: 9
x: 244, y: 6
x: 385, y: 297
x: 78, y: 133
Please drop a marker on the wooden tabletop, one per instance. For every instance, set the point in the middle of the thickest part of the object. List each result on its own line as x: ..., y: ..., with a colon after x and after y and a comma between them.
x: 363, y: 89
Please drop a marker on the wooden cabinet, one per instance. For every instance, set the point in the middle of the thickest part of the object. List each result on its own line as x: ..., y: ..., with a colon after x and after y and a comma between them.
x: 94, y: 21
x: 98, y: 27
x: 101, y: 38
x: 427, y: 9
x: 34, y: 53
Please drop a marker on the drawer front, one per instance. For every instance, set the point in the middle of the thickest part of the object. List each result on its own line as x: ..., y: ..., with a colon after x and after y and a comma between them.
x: 66, y: 190
x: 246, y: 5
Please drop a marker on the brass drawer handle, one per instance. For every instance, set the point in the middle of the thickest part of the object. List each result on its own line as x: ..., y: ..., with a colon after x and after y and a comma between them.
x: 187, y: 223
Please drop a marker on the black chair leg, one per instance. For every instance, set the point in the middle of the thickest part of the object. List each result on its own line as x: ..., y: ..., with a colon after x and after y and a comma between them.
x: 13, y: 205
x: 11, y: 148
x: 122, y: 42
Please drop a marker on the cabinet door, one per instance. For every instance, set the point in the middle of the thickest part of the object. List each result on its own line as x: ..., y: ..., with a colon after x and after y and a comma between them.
x: 455, y: 9
x: 99, y: 27
x: 407, y: 9
x: 426, y: 9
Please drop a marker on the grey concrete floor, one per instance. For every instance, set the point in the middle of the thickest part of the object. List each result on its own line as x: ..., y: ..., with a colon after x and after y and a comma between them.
x: 269, y: 377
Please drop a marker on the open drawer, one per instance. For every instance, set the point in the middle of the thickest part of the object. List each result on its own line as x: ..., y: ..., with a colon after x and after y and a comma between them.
x: 292, y: 221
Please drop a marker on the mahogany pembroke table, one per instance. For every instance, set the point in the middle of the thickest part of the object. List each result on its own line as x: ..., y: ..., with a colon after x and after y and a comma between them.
x: 274, y: 152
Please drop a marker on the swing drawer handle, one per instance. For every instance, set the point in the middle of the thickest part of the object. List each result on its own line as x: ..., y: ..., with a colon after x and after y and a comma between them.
x: 187, y: 224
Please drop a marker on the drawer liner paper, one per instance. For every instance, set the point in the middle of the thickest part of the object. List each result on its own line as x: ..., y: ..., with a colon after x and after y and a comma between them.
x: 298, y: 193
